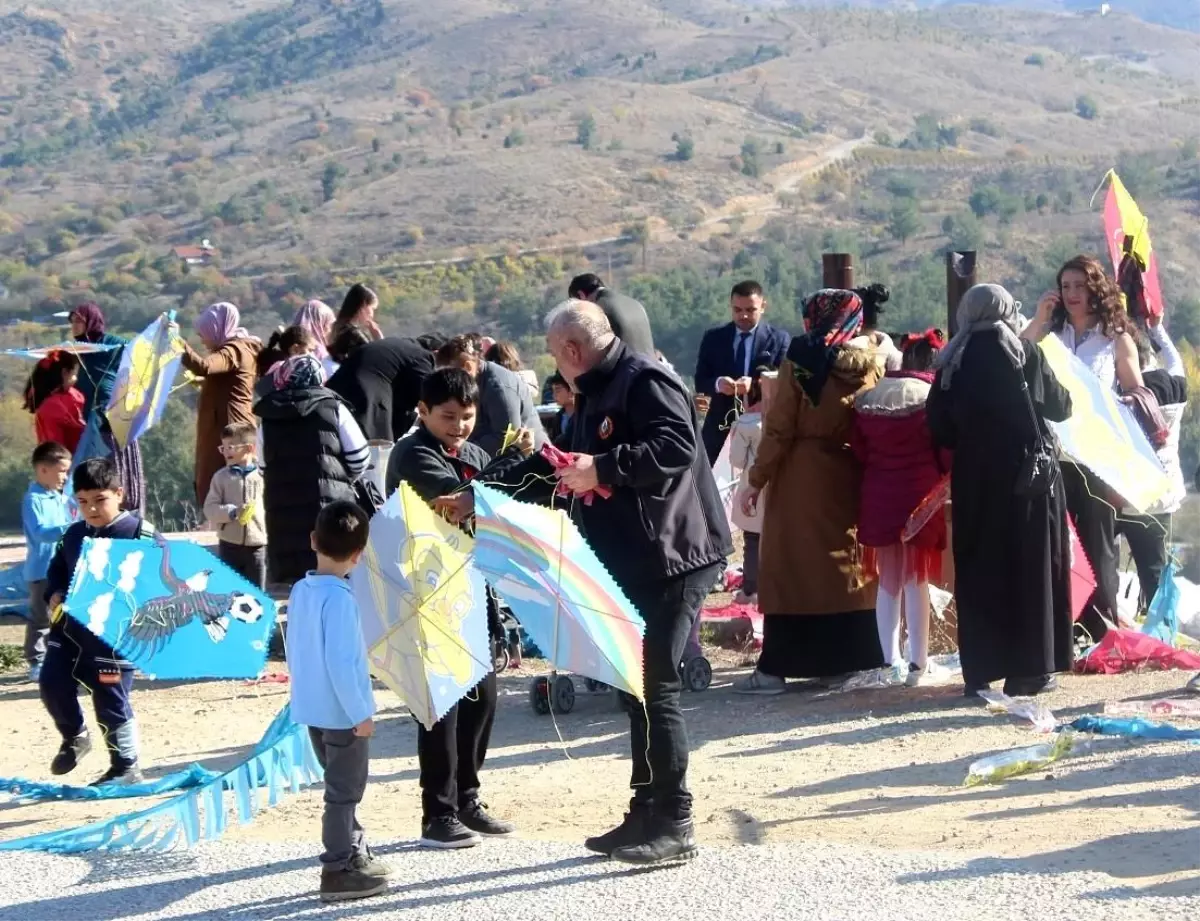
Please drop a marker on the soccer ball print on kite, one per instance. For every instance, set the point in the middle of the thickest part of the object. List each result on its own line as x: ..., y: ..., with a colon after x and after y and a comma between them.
x: 172, y: 609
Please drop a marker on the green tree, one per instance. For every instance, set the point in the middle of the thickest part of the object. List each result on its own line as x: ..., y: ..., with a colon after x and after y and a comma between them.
x: 906, y: 221
x: 1036, y: 60
x: 639, y: 234
x: 685, y: 148
x: 1085, y: 107
x: 585, y: 131
x: 514, y: 138
x: 965, y: 232
x: 750, y: 151
x: 330, y: 178
x: 902, y: 186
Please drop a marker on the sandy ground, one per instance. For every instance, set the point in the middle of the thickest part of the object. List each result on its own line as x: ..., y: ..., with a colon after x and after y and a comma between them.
x: 879, y: 768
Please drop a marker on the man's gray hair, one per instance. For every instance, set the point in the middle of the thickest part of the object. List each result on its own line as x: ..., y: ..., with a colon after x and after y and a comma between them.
x: 581, y: 322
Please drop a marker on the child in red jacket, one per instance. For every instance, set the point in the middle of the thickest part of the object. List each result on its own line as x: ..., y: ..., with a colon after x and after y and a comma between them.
x: 901, y: 466
x: 56, y: 404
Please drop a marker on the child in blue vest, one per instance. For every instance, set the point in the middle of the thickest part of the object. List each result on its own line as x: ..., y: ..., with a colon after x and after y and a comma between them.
x: 74, y: 655
x: 45, y: 517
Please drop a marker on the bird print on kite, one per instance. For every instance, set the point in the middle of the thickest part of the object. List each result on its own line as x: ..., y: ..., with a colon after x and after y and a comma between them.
x: 133, y: 594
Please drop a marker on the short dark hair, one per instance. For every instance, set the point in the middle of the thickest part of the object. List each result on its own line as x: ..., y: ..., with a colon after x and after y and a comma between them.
x: 49, y: 452
x: 342, y: 530
x: 584, y: 285
x: 746, y: 289
x: 456, y: 348
x: 239, y: 430
x: 96, y: 473
x: 557, y: 380
x: 873, y: 298
x: 448, y: 384
x: 295, y: 336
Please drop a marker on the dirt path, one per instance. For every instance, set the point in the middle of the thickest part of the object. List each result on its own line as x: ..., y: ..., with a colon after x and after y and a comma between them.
x: 877, y: 768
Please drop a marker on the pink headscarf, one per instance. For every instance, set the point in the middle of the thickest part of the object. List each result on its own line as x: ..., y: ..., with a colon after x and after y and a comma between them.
x: 318, y: 318
x: 220, y: 323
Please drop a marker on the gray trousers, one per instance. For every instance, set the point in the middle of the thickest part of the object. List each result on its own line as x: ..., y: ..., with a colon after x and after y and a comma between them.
x: 345, y: 759
x: 38, y: 625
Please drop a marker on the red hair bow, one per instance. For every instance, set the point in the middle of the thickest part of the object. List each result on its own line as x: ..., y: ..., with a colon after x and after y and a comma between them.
x: 50, y: 360
x: 935, y: 337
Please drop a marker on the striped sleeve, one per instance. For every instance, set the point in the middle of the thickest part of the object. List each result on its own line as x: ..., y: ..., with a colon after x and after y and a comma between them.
x: 356, y: 454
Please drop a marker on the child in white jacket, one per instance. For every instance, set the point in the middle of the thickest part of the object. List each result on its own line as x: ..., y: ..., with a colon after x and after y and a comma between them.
x: 743, y: 448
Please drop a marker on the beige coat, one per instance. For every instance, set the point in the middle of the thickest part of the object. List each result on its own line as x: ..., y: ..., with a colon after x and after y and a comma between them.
x: 228, y: 494
x: 810, y: 561
x: 226, y: 396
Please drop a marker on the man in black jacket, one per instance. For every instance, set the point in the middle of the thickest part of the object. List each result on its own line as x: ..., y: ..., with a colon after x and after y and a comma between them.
x: 626, y: 316
x: 662, y: 535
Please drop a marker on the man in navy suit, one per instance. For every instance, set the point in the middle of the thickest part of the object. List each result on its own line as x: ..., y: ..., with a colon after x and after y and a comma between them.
x: 729, y: 358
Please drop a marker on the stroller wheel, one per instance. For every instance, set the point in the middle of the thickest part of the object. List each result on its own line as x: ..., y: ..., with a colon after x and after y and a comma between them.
x: 697, y: 674
x: 594, y: 686
x: 539, y: 695
x: 563, y: 694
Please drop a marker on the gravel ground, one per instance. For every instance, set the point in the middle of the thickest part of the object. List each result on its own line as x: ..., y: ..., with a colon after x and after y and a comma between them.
x: 548, y: 881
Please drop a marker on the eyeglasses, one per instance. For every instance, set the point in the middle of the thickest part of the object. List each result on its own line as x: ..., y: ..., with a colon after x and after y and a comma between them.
x: 233, y: 449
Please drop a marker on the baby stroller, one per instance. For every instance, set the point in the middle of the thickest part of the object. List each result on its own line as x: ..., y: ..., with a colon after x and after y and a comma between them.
x: 557, y: 691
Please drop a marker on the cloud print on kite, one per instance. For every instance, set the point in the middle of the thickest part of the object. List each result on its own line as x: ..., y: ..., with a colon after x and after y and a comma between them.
x: 189, y: 617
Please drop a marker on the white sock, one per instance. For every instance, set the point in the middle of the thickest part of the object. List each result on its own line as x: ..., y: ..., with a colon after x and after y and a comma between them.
x: 916, y: 615
x: 887, y: 622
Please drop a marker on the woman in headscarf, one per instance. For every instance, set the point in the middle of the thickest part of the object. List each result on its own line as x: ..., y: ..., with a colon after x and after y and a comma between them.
x: 817, y: 600
x: 97, y: 377
x: 227, y: 375
x: 318, y: 318
x: 311, y: 452
x: 1011, y: 544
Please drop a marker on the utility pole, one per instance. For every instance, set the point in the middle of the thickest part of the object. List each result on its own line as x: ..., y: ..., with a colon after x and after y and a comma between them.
x: 838, y: 270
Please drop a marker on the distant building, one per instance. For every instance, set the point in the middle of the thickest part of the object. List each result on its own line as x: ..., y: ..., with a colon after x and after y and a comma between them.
x: 201, y: 255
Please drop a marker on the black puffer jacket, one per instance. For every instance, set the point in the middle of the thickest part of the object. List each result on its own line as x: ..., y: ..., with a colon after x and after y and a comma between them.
x: 665, y: 517
x: 303, y: 471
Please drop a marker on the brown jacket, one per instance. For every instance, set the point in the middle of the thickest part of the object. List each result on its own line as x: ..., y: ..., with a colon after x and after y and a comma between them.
x: 810, y: 561
x: 226, y: 396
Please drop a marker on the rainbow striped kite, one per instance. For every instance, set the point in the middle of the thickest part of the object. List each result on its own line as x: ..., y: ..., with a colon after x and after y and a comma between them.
x: 566, y: 600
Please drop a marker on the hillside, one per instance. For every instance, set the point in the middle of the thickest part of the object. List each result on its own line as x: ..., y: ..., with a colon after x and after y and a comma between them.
x: 317, y: 140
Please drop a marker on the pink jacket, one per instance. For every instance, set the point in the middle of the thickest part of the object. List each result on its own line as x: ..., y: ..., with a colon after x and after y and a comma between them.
x: 900, y: 463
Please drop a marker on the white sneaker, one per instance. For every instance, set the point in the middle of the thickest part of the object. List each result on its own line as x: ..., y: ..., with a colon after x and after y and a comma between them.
x: 760, y: 684
x: 916, y: 676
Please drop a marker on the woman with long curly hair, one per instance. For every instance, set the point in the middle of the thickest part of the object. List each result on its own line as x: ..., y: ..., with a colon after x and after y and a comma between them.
x: 1088, y: 315
x: 55, y: 401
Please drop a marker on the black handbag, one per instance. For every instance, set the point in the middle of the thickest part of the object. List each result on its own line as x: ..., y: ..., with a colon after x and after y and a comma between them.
x: 367, y: 495
x: 1040, y: 466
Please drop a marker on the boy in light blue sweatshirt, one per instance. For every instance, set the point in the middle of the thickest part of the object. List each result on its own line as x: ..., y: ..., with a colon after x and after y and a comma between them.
x: 45, y: 517
x: 331, y: 694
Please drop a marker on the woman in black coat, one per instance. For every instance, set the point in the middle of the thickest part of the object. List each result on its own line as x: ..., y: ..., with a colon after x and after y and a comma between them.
x: 1011, y: 552
x: 381, y: 381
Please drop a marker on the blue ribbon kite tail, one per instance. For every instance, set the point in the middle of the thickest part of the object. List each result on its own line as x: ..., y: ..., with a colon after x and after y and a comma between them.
x: 282, y: 760
x: 1135, y: 728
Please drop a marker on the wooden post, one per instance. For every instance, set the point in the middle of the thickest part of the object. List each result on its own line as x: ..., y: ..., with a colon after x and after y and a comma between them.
x: 838, y: 270
x: 960, y: 277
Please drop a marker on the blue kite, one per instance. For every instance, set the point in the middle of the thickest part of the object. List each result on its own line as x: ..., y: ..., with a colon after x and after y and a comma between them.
x: 171, y: 608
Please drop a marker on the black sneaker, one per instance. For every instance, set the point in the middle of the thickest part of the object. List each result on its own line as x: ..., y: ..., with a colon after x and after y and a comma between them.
x: 632, y: 830
x: 121, y: 775
x: 666, y: 841
x: 368, y: 864
x: 474, y: 816
x: 447, y: 833
x: 348, y: 884
x: 971, y: 691
x: 70, y: 753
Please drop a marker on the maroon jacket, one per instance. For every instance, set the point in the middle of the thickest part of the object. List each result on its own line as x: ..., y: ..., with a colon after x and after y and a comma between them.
x: 900, y: 463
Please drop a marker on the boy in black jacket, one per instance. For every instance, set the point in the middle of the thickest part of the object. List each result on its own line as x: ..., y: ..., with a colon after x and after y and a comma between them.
x: 76, y: 656
x: 436, y: 460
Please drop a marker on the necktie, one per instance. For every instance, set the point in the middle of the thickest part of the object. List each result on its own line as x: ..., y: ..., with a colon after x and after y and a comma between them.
x: 739, y: 354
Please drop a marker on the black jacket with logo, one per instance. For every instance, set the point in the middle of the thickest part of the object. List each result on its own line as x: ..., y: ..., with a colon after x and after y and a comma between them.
x: 664, y: 518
